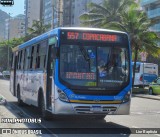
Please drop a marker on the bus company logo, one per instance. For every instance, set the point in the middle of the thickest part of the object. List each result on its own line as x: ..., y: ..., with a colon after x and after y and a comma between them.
x: 7, y: 2
x: 97, y: 101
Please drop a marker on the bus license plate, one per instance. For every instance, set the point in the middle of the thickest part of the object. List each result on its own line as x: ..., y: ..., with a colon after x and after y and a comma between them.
x: 96, y: 109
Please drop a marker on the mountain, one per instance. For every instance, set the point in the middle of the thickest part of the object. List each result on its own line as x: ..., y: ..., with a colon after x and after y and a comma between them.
x: 3, y: 17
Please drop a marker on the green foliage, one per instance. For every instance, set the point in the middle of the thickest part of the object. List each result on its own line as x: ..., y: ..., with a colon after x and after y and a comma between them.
x: 5, y: 47
x: 37, y: 29
x: 100, y: 15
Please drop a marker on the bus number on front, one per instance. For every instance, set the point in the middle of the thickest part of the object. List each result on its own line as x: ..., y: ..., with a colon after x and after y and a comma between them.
x: 72, y: 35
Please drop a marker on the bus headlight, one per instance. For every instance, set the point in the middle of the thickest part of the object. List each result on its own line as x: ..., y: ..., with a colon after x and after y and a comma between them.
x: 127, y: 97
x: 62, y: 96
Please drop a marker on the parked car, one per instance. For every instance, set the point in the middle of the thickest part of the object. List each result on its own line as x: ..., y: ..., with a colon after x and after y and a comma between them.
x: 6, y: 74
x: 154, y: 87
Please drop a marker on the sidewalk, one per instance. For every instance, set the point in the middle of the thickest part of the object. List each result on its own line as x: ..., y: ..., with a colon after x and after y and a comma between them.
x: 154, y: 97
x: 8, y: 112
x: 143, y: 93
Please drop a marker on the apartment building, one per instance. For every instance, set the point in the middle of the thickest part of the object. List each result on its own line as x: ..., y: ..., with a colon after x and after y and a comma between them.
x: 53, y: 13
x: 72, y: 10
x: 15, y: 27
x: 152, y: 7
x: 33, y: 11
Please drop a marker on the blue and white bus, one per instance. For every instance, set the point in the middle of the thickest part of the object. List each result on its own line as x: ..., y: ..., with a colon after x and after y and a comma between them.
x: 74, y: 71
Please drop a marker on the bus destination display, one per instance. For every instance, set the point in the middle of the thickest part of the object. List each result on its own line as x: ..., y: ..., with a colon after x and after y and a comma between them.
x: 87, y: 36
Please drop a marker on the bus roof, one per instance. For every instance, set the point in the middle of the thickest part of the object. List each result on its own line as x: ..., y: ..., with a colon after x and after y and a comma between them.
x: 56, y: 31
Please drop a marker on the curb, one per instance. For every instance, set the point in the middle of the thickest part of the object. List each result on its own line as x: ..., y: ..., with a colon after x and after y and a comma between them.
x: 143, y: 96
x: 3, y: 101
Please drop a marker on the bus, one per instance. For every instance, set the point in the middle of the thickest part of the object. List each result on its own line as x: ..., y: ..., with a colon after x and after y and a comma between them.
x: 145, y: 73
x: 60, y: 72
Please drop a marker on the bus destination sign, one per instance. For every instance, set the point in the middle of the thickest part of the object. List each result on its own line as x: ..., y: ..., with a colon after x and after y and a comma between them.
x: 88, y: 36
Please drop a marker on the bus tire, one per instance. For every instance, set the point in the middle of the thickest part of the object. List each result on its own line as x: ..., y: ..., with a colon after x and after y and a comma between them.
x: 44, y: 114
x: 20, y: 102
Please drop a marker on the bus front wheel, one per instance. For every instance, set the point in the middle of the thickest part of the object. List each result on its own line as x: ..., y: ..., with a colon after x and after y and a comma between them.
x: 44, y: 114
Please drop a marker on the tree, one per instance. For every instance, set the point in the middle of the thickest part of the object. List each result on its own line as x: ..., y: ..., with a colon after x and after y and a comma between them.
x: 4, y: 45
x: 137, y: 24
x: 37, y: 29
x: 124, y: 15
x: 100, y: 15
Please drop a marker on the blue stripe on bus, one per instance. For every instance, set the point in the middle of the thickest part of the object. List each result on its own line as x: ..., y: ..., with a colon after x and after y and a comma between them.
x: 39, y: 38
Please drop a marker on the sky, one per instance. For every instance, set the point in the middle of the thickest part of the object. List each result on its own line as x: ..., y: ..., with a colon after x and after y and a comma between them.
x: 17, y: 8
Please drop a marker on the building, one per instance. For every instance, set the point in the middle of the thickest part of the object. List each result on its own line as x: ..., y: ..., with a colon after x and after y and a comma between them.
x: 47, y: 12
x: 72, y: 10
x: 152, y: 7
x: 33, y: 11
x: 53, y: 12
x: 15, y: 27
x: 64, y: 12
x: 3, y: 17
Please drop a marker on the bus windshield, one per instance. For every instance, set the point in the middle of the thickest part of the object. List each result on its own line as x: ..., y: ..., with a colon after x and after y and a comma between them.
x: 94, y: 66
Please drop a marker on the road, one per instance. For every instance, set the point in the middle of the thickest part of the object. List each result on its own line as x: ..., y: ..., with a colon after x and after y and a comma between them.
x: 145, y: 113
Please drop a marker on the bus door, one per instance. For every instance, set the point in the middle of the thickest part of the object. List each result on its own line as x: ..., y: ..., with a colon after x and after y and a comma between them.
x: 50, y: 77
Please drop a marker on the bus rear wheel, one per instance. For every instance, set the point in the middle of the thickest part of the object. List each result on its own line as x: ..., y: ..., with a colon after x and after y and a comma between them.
x: 20, y: 102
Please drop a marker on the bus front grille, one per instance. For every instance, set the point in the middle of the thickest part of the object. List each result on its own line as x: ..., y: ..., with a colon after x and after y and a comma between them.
x: 89, y: 109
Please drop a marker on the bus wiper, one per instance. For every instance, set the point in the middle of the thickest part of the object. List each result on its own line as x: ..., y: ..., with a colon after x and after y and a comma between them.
x: 85, y: 55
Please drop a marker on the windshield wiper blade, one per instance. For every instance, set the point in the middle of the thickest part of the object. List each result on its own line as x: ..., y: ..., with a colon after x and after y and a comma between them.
x: 84, y: 53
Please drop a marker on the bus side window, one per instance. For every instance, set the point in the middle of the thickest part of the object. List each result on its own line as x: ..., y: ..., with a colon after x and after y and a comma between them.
x: 42, y: 54
x: 27, y: 58
x: 34, y: 57
x: 18, y: 60
x: 22, y: 60
x: 32, y: 53
x: 37, y: 57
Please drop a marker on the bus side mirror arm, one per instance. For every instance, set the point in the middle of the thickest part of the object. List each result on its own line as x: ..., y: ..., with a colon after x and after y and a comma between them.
x: 55, y: 52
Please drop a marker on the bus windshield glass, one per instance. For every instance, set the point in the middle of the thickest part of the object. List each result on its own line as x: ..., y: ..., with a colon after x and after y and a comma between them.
x: 91, y: 66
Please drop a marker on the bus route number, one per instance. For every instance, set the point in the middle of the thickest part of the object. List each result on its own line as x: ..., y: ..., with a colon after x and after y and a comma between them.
x: 72, y: 35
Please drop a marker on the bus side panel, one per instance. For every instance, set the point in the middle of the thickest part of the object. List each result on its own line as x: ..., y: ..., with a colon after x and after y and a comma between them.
x: 36, y: 82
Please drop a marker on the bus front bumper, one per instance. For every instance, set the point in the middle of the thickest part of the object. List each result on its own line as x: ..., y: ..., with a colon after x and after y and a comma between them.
x: 64, y: 108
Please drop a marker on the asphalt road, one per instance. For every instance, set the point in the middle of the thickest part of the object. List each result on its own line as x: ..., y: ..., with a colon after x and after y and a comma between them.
x: 145, y: 113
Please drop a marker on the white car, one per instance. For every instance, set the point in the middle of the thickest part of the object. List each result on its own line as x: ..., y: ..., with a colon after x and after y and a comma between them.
x: 6, y: 74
